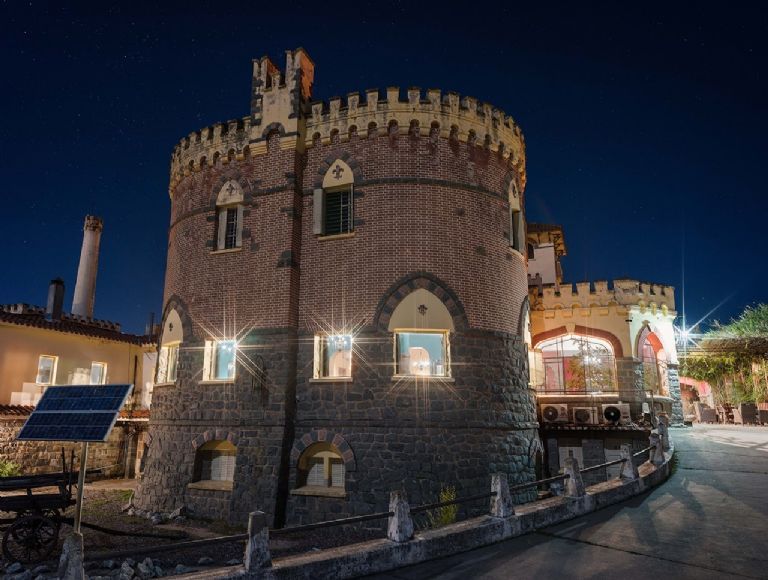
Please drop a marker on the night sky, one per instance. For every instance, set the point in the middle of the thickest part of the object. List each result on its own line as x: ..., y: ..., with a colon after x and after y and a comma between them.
x: 646, y: 126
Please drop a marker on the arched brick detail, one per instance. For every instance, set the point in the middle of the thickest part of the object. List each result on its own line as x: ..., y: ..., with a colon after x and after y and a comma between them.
x: 324, y: 436
x: 232, y: 174
x: 323, y: 168
x: 618, y: 351
x: 177, y: 304
x: 546, y: 335
x: 215, y: 435
x: 411, y: 282
x: 273, y: 127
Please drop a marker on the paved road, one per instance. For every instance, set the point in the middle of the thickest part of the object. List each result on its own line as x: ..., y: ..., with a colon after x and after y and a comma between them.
x: 709, y: 520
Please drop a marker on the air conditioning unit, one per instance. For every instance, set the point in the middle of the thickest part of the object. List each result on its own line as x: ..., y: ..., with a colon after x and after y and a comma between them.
x: 585, y: 415
x: 554, y: 413
x: 616, y: 414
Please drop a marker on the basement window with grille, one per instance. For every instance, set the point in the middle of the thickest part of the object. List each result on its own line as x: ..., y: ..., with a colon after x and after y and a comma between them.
x: 215, y: 466
x: 321, y: 472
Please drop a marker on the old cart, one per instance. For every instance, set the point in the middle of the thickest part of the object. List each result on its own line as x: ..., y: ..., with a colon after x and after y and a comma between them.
x: 33, y: 534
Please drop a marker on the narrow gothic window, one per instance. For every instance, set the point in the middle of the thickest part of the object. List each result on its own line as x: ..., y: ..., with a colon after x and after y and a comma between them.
x: 230, y: 231
x: 229, y: 216
x: 334, y: 202
x: 338, y: 212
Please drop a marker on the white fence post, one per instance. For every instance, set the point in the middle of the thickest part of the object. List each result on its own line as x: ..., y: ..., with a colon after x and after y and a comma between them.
x: 663, y: 429
x: 400, y: 525
x: 574, y: 485
x: 501, y: 503
x: 657, y: 453
x: 628, y: 468
x: 257, y: 549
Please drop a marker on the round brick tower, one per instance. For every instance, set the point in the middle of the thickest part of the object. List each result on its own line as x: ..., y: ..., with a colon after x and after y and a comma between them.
x: 345, y: 306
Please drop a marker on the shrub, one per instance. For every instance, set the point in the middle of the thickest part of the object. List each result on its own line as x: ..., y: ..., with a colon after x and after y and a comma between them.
x: 9, y: 468
x: 445, y: 515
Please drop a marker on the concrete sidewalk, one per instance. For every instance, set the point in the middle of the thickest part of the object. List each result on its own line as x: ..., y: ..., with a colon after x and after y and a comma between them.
x: 709, y: 520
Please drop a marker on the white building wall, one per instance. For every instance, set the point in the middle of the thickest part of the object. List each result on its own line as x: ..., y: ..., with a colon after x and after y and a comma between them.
x: 543, y: 263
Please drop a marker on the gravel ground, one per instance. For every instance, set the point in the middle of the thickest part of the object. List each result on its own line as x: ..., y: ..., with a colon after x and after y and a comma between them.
x: 104, y: 507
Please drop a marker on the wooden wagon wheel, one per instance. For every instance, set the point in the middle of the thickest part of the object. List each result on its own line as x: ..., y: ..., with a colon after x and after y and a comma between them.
x: 30, y: 539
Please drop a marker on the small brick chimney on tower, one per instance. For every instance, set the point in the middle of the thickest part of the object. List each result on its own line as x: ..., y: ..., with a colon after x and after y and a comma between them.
x: 85, y: 287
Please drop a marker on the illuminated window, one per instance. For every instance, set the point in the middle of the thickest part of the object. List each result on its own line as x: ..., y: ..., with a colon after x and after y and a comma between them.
x: 422, y: 353
x: 46, y: 369
x: 219, y: 360
x: 575, y: 364
x: 215, y: 461
x: 321, y: 466
x: 167, y: 363
x: 98, y: 373
x: 333, y: 356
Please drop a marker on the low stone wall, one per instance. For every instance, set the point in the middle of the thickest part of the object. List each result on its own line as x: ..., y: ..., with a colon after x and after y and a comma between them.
x: 35, y: 457
x: 377, y: 556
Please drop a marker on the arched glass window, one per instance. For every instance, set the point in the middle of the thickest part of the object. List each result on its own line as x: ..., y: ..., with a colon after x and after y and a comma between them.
x: 215, y: 462
x: 654, y: 361
x: 422, y: 324
x: 321, y: 466
x: 575, y: 364
x: 229, y: 216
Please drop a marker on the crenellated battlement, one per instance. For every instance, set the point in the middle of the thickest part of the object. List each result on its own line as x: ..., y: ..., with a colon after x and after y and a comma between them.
x: 622, y: 292
x: 280, y: 103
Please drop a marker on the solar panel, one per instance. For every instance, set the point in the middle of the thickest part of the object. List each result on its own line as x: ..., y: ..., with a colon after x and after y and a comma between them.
x: 75, y: 413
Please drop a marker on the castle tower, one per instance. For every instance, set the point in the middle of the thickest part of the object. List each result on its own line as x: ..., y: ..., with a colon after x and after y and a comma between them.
x: 343, y: 306
x: 85, y: 287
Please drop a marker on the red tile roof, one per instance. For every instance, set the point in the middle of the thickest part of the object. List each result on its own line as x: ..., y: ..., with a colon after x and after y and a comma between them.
x: 70, y: 326
x: 15, y: 410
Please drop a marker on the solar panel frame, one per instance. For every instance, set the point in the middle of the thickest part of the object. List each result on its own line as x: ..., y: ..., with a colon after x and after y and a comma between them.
x: 75, y: 413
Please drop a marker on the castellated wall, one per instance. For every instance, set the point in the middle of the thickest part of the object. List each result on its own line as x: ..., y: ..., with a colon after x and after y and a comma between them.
x: 431, y: 212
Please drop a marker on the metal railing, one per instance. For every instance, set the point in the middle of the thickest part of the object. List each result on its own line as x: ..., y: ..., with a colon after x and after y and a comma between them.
x: 353, y: 519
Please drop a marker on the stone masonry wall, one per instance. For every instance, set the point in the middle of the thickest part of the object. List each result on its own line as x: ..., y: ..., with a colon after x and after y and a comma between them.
x: 419, y: 436
x: 35, y: 457
x: 673, y: 378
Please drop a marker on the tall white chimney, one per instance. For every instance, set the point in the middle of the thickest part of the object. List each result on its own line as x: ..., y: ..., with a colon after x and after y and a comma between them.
x: 85, y: 287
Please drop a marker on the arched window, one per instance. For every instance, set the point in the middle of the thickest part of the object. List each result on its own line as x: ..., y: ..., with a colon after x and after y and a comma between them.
x: 170, y: 341
x: 516, y: 220
x: 422, y: 324
x: 215, y: 463
x: 229, y: 216
x: 334, y: 207
x: 321, y: 466
x: 575, y: 364
x: 654, y: 361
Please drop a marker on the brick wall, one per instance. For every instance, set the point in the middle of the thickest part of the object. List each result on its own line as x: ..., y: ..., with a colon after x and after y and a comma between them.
x: 421, y: 206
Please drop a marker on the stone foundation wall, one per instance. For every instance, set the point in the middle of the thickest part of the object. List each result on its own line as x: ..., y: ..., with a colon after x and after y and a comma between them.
x: 208, y: 503
x: 34, y: 457
x: 249, y: 412
x: 673, y: 379
x: 630, y: 384
x: 416, y: 435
